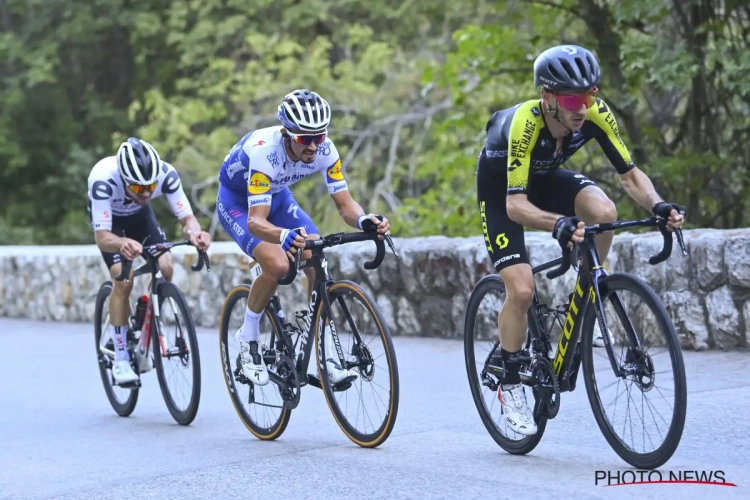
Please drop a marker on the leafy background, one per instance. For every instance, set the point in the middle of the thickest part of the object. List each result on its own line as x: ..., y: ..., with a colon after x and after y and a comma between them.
x: 412, y: 85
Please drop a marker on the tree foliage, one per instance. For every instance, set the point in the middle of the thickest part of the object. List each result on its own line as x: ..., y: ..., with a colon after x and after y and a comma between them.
x: 412, y: 85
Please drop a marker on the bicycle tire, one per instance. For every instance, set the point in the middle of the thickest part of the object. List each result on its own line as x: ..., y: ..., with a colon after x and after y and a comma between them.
x: 381, y: 434
x: 240, y: 292
x: 122, y: 409
x: 182, y: 417
x: 522, y: 446
x: 658, y: 457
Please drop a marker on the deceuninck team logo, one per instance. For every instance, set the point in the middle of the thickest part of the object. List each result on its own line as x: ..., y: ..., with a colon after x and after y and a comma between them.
x: 259, y: 183
x: 334, y: 173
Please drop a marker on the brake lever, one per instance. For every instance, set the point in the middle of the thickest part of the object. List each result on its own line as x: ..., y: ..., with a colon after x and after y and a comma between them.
x: 388, y: 240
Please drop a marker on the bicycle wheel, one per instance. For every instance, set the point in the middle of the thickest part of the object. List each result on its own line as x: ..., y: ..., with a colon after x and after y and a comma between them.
x: 480, y: 326
x: 362, y: 322
x: 179, y: 350
x: 638, y: 366
x: 123, y: 400
x: 232, y: 317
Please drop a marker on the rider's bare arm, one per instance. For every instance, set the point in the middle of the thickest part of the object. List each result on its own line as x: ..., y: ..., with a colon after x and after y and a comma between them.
x: 108, y: 241
x: 190, y: 225
x: 260, y: 227
x: 522, y: 211
x: 349, y: 210
x: 640, y: 188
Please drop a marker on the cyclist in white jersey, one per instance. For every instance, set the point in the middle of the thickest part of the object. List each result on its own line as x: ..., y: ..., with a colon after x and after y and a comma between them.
x: 120, y: 189
x: 259, y: 212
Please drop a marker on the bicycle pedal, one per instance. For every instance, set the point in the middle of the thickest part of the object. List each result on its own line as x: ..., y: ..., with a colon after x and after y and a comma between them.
x: 129, y: 385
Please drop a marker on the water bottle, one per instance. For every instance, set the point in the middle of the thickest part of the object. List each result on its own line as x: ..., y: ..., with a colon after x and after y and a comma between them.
x: 140, y: 313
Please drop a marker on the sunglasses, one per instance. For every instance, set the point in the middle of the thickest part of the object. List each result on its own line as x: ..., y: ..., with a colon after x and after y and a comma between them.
x: 139, y: 189
x: 574, y: 102
x: 307, y: 139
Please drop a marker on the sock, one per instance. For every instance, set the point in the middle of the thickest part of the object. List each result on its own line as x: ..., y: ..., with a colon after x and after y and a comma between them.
x: 251, y: 326
x: 119, y: 339
x: 510, y: 364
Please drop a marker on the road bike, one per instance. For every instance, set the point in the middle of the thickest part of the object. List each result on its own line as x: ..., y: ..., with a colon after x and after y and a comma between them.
x: 549, y: 374
x: 286, y: 349
x: 146, y: 323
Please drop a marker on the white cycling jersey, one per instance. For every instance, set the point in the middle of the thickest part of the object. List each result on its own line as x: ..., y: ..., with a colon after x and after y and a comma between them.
x: 259, y: 167
x: 108, y: 197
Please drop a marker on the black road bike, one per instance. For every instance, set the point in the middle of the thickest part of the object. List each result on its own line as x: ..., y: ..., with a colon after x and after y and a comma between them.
x: 286, y: 350
x: 549, y: 374
x: 146, y: 324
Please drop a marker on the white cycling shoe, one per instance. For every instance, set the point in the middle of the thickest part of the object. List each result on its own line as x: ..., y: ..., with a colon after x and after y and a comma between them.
x: 598, y: 339
x: 123, y: 373
x: 251, y: 361
x: 336, y: 374
x: 515, y: 409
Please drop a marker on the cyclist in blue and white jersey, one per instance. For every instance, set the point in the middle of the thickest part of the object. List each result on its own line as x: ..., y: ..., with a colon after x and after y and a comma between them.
x: 259, y: 211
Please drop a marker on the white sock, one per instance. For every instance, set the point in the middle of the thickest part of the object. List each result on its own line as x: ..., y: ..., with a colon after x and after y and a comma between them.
x: 119, y: 339
x: 251, y: 326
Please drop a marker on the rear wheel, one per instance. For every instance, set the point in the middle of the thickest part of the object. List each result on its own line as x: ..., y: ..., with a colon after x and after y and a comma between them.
x: 484, y: 368
x: 644, y: 341
x: 261, y: 408
x: 123, y: 400
x: 368, y: 351
x: 176, y: 354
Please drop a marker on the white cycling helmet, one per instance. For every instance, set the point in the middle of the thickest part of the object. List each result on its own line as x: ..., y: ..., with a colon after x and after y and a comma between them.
x: 304, y: 111
x: 138, y: 162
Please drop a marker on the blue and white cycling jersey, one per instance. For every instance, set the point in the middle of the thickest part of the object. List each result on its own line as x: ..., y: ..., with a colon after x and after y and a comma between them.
x: 258, y: 167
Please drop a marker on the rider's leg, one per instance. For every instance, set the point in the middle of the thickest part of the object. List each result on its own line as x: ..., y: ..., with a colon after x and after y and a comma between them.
x: 119, y: 313
x: 571, y: 193
x: 504, y: 240
x: 594, y: 207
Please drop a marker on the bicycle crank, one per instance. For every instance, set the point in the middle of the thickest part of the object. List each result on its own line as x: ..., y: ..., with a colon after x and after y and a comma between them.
x: 290, y: 390
x: 545, y: 388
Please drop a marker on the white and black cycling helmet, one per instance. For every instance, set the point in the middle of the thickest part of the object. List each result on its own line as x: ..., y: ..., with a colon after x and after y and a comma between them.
x: 138, y: 162
x: 304, y: 111
x: 566, y: 67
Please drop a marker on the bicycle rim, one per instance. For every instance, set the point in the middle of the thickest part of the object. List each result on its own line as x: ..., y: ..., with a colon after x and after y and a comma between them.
x: 181, y: 343
x: 365, y: 342
x: 485, y: 398
x: 644, y: 370
x: 232, y: 316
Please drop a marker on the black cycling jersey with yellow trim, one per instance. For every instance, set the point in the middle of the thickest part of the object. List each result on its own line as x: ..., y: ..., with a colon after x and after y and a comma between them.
x: 519, y: 143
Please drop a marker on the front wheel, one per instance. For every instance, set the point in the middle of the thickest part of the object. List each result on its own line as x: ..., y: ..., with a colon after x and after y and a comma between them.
x: 261, y: 408
x: 635, y: 318
x: 484, y: 366
x: 365, y: 344
x: 175, y: 347
x: 123, y: 400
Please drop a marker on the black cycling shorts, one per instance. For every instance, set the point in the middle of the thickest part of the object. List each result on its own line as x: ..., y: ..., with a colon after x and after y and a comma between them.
x: 551, y: 191
x: 141, y: 227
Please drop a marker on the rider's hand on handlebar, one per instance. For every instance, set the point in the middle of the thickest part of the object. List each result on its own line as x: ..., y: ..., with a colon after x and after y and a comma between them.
x: 673, y: 212
x: 201, y: 240
x: 377, y: 223
x: 131, y: 249
x: 568, y: 230
x: 291, y: 241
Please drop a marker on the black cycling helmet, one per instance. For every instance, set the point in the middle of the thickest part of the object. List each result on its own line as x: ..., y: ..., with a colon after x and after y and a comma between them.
x: 566, y: 67
x: 138, y: 162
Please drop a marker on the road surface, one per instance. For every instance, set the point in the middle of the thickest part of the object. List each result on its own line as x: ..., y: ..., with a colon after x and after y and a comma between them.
x: 59, y: 438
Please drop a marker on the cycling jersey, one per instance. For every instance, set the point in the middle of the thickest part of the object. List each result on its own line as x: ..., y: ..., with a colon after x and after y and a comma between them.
x: 520, y: 144
x: 258, y: 167
x: 108, y: 198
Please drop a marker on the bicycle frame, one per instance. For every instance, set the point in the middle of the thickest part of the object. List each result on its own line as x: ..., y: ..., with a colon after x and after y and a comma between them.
x: 567, y: 361
x: 152, y: 254
x: 318, y: 299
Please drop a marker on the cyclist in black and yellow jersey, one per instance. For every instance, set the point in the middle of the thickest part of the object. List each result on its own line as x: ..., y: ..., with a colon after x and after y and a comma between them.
x: 520, y: 183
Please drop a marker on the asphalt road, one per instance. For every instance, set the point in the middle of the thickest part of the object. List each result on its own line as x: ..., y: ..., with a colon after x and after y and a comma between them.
x: 59, y: 438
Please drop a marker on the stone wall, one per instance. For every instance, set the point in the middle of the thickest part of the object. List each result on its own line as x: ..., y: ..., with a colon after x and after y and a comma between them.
x: 423, y: 293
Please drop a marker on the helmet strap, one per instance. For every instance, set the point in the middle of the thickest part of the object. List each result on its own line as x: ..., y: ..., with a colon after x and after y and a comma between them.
x: 553, y: 113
